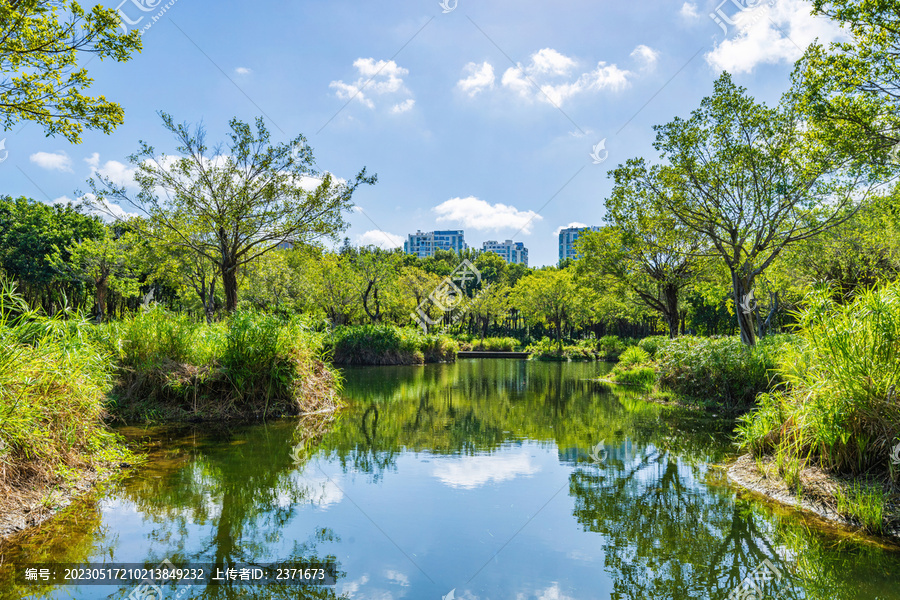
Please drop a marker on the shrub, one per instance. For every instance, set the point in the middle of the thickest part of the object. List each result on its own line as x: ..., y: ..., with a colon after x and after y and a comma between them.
x: 652, y: 344
x: 633, y: 356
x: 841, y: 407
x: 611, y: 346
x: 390, y: 345
x: 496, y: 344
x: 53, y: 386
x: 547, y: 349
x: 720, y: 371
x: 641, y: 376
x: 250, y: 364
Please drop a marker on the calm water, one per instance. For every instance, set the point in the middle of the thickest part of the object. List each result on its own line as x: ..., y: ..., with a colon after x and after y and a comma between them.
x: 477, y: 480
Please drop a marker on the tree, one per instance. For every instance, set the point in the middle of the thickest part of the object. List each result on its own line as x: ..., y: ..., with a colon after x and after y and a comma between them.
x: 108, y: 263
x: 645, y: 248
x: 852, y: 88
x: 334, y: 285
x: 750, y: 181
x: 550, y: 296
x: 234, y: 206
x: 376, y: 268
x: 31, y: 233
x: 41, y: 42
x: 491, y: 302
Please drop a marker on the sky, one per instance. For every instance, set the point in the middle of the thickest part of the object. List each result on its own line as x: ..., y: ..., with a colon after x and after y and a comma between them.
x: 501, y: 118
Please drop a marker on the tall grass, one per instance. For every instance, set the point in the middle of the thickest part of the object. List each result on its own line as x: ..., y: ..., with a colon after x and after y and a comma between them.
x: 721, y: 372
x: 249, y: 365
x: 491, y: 344
x: 390, y: 345
x: 53, y: 386
x: 841, y: 408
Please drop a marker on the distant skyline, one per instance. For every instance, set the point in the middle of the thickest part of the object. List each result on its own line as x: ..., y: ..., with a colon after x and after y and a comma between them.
x: 501, y: 119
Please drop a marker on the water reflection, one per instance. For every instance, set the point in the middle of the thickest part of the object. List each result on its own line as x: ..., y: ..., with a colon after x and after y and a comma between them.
x: 480, y: 477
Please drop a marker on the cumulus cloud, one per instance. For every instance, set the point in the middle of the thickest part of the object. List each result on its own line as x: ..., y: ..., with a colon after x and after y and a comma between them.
x: 646, y: 56
x: 689, y: 10
x: 119, y: 173
x: 770, y: 35
x: 382, y: 239
x: 106, y: 210
x: 550, y: 77
x: 570, y: 225
x: 480, y: 77
x: 404, y: 106
x: 376, y: 78
x: 52, y: 161
x: 243, y: 71
x: 475, y: 471
x: 478, y: 214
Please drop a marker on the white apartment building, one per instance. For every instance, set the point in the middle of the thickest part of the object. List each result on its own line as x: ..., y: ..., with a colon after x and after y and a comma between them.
x: 512, y: 252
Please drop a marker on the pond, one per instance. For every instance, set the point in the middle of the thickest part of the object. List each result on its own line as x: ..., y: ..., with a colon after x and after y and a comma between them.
x: 483, y: 479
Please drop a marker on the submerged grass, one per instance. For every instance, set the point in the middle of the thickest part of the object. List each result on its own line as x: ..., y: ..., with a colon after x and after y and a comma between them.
x: 390, y: 345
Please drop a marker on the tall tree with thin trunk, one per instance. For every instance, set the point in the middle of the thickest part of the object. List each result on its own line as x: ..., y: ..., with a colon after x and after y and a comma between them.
x: 750, y: 180
x: 232, y: 205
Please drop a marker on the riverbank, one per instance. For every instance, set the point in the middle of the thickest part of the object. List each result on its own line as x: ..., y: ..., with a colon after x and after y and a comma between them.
x: 820, y: 493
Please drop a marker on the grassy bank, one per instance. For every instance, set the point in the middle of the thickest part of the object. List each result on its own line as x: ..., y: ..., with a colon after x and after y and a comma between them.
x: 488, y: 344
x: 839, y: 411
x: 54, y: 383
x: 250, y: 365
x: 390, y: 345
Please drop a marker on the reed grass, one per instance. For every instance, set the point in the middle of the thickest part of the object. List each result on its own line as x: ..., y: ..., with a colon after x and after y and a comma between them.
x: 390, y: 345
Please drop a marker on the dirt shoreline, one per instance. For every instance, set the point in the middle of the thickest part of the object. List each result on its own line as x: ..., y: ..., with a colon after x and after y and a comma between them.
x: 818, y: 495
x: 21, y: 510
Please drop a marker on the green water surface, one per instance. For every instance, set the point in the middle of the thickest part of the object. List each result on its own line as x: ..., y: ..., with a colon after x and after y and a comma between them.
x: 484, y: 479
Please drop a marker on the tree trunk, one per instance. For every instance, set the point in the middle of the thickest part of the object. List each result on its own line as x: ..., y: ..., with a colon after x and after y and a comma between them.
x: 229, y: 282
x: 744, y: 307
x: 670, y: 297
x: 100, y: 298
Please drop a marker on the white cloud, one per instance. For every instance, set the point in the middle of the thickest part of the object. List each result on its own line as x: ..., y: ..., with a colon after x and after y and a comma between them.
x: 52, y: 161
x: 382, y: 239
x: 481, y: 77
x: 478, y: 214
x: 645, y: 55
x: 92, y: 206
x: 376, y: 78
x: 475, y: 471
x: 689, y: 10
x: 551, y: 593
x: 552, y: 73
x: 770, y: 35
x: 403, y: 106
x: 119, y: 173
x: 243, y: 71
x: 397, y: 577
x: 572, y: 224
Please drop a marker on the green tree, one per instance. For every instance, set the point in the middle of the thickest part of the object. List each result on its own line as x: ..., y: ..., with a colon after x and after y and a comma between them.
x: 233, y: 206
x: 108, y: 263
x: 41, y: 42
x: 750, y: 180
x: 490, y: 303
x: 550, y: 296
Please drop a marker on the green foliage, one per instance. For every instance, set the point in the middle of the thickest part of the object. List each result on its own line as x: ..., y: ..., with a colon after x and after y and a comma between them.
x: 41, y: 44
x: 840, y: 409
x: 611, y: 347
x: 232, y: 206
x: 633, y: 355
x: 389, y: 345
x: 53, y: 386
x: 546, y: 349
x: 652, y: 344
x: 864, y: 503
x: 493, y: 344
x: 251, y: 364
x: 719, y: 372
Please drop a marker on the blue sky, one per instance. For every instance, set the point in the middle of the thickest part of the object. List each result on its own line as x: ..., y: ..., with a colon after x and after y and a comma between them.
x: 481, y: 118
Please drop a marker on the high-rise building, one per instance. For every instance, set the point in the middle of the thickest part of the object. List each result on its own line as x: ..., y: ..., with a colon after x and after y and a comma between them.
x: 567, y: 239
x: 424, y: 244
x: 512, y: 252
